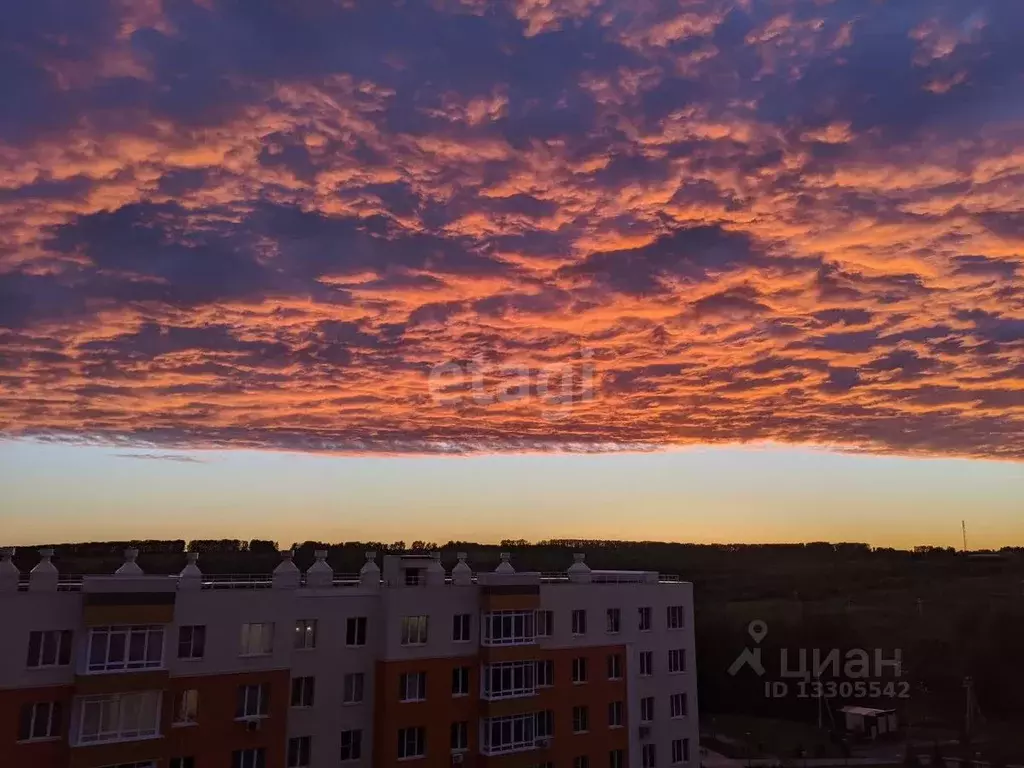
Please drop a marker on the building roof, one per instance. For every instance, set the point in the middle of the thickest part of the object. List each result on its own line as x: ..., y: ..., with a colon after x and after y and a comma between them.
x: 865, y: 711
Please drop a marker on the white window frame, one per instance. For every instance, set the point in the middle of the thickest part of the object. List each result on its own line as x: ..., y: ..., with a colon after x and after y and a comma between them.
x: 415, y: 630
x: 617, y: 758
x: 353, y: 688
x: 543, y: 679
x: 499, y: 680
x: 356, y: 629
x: 614, y: 666
x: 354, y: 747
x: 644, y: 618
x: 413, y: 686
x: 150, y: 635
x: 579, y: 622
x: 646, y: 665
x: 412, y: 743
x: 51, y: 712
x: 613, y: 621
x: 581, y: 719
x: 616, y: 708
x: 253, y: 757
x: 121, y: 709
x: 299, y: 741
x: 516, y: 733
x: 256, y: 702
x: 675, y: 617
x: 306, y: 685
x: 462, y: 628
x: 58, y: 639
x: 581, y: 761
x: 191, y: 630
x: 678, y: 705
x: 676, y: 661
x: 680, y: 751
x: 648, y: 756
x: 647, y: 709
x: 460, y: 681
x: 460, y: 727
x: 186, y: 707
x: 545, y: 623
x: 508, y: 628
x: 305, y: 634
x: 257, y: 639
x: 580, y: 670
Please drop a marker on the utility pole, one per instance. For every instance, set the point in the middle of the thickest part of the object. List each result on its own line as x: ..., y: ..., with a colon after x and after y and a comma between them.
x: 963, y: 530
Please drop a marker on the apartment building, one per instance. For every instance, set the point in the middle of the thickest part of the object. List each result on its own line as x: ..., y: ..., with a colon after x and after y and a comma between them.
x: 405, y: 663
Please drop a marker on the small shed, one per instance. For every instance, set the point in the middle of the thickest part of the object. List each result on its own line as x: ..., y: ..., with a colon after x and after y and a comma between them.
x: 870, y: 723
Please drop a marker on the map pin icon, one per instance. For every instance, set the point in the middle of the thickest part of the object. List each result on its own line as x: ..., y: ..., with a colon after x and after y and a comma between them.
x: 757, y: 629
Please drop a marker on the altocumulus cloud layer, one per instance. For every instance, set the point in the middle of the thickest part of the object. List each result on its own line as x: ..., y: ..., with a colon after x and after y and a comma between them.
x: 256, y: 223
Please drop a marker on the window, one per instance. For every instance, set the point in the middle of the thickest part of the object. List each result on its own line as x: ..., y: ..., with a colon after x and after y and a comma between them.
x: 617, y: 758
x: 579, y: 669
x: 581, y: 762
x: 352, y: 688
x: 186, y: 707
x: 183, y: 762
x: 507, y: 679
x: 545, y: 623
x: 414, y: 630
x: 676, y: 617
x: 579, y: 622
x: 49, y: 649
x: 412, y: 686
x: 412, y: 742
x: 119, y: 717
x: 680, y: 751
x: 460, y: 736
x: 677, y: 660
x: 298, y: 751
x: 191, y: 642
x: 461, y: 623
x: 305, y: 634
x: 257, y: 639
x: 546, y: 673
x: 645, y: 619
x: 646, y: 709
x: 303, y: 691
x: 355, y: 630
x: 615, y: 714
x: 252, y: 701
x: 545, y: 724
x: 614, y: 666
x: 41, y: 720
x: 414, y: 577
x: 613, y: 620
x: 113, y: 649
x: 580, y: 719
x: 351, y: 745
x: 508, y: 628
x: 512, y: 733
x: 678, y: 705
x: 460, y: 681
x: 647, y: 756
x: 249, y: 758
x: 646, y: 663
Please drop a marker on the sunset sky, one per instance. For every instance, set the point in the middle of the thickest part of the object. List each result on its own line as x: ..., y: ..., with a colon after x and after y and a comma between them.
x: 709, y: 270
